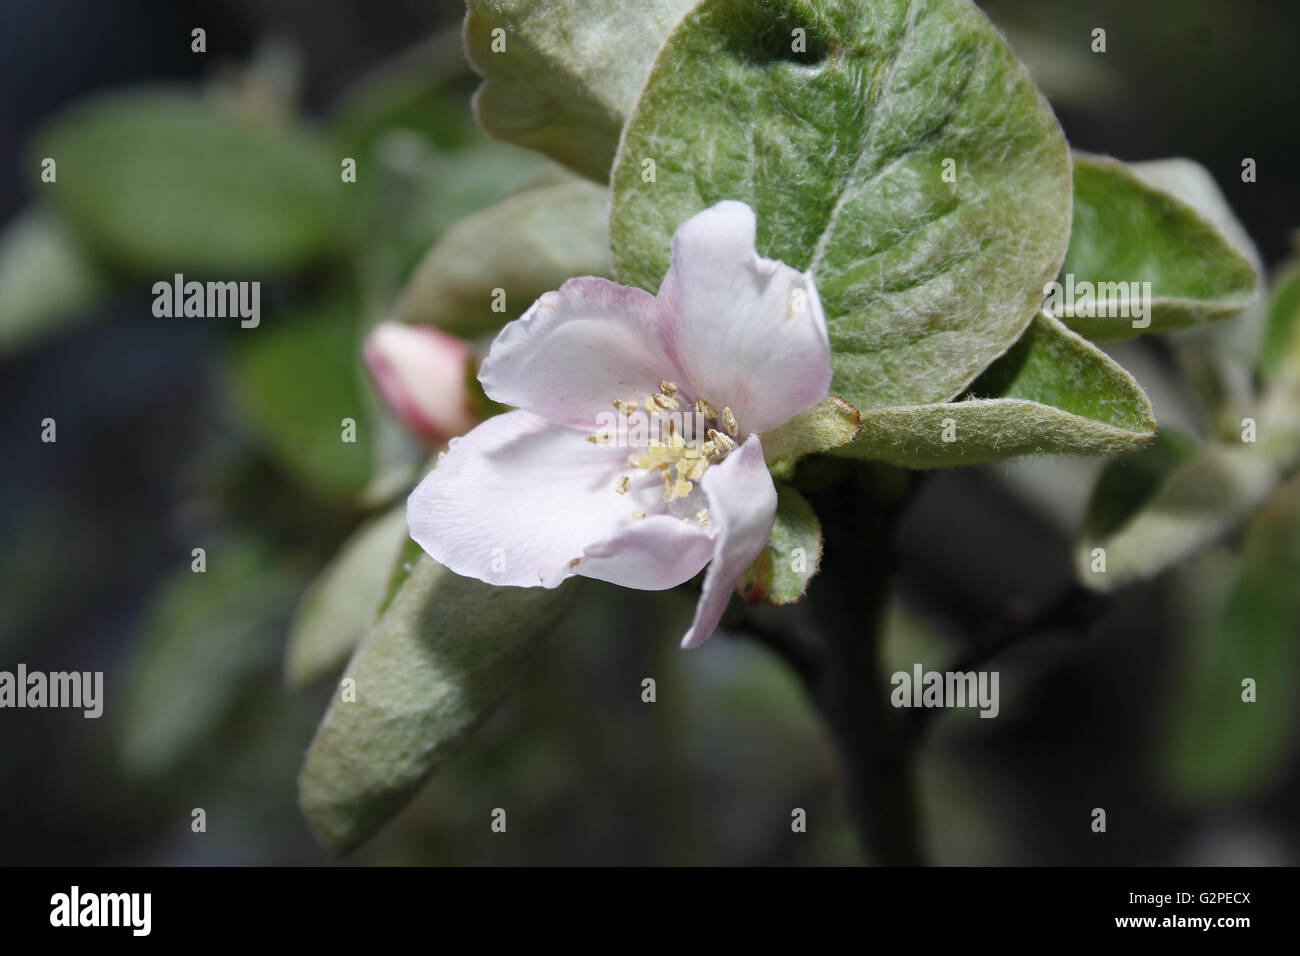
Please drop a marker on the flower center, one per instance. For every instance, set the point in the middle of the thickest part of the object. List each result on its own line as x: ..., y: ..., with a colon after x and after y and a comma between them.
x: 680, y: 439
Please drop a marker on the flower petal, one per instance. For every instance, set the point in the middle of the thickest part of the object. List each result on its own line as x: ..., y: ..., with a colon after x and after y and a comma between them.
x: 421, y: 372
x: 747, y: 332
x: 576, y: 350
x: 742, y: 509
x: 651, y: 554
x: 519, y: 499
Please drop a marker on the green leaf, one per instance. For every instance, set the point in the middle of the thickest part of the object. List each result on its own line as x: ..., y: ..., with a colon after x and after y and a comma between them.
x: 1281, y: 346
x: 842, y: 152
x: 569, y: 73
x: 345, y: 599
x: 1127, y: 232
x: 1169, y: 511
x: 830, y: 424
x: 47, y: 278
x: 527, y: 244
x: 164, y: 180
x: 208, y: 638
x: 296, y: 378
x: 1219, y: 746
x: 443, y: 656
x: 1052, y: 393
x: 792, y: 556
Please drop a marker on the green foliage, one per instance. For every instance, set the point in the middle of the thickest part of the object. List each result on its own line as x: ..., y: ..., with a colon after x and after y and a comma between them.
x: 792, y: 556
x: 569, y: 73
x: 296, y: 378
x: 443, y: 655
x: 47, y: 278
x: 345, y: 599
x: 1127, y: 231
x: 842, y: 147
x: 1053, y: 392
x: 525, y: 245
x: 163, y: 180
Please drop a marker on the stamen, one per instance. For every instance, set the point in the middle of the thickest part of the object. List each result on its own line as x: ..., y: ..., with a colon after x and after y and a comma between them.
x: 601, y: 437
x: 667, y: 388
x: 702, y: 516
x: 704, y: 408
x: 623, y: 483
x: 665, y: 402
x: 729, y: 420
x: 638, y: 515
x: 721, y: 440
x: 627, y: 408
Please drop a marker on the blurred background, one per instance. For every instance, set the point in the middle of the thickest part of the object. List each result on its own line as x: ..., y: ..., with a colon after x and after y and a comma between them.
x: 182, y: 433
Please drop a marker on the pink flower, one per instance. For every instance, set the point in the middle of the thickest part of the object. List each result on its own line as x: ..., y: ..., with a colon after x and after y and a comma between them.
x: 600, y: 472
x: 422, y: 374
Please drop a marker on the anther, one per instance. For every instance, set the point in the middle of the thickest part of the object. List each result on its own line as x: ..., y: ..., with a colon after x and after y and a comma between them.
x: 729, y: 420
x: 623, y: 483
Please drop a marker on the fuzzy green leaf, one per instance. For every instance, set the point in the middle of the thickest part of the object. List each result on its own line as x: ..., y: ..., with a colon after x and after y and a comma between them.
x: 443, y: 655
x: 842, y: 149
x: 1219, y: 746
x: 164, y: 180
x: 830, y: 424
x: 568, y: 74
x: 1175, y: 507
x: 527, y: 244
x: 345, y: 599
x: 1052, y: 393
x: 1127, y: 232
x: 792, y: 556
x: 1281, y: 345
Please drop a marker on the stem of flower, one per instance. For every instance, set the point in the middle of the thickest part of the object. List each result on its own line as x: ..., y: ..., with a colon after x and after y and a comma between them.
x: 844, y: 677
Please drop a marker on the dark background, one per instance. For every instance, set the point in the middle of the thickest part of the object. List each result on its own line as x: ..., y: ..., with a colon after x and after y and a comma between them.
x: 92, y: 524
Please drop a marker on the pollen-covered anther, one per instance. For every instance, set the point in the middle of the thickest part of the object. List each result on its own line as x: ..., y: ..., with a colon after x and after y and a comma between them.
x: 622, y: 485
x: 667, y: 388
x: 664, y: 402
x: 626, y: 408
x: 601, y: 437
x: 704, y: 408
x: 720, y: 440
x: 729, y: 422
x: 638, y: 515
x: 702, y: 517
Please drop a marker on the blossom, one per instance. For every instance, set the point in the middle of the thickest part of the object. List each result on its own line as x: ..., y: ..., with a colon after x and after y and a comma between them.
x: 599, y: 472
x: 422, y: 374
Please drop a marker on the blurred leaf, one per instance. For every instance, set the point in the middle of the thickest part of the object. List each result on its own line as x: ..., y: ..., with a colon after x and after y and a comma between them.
x: 792, y: 556
x: 527, y: 244
x: 569, y: 73
x: 163, y: 180
x: 441, y: 658
x: 207, y: 638
x: 1052, y: 393
x: 1174, y: 507
x: 413, y: 91
x: 47, y: 278
x: 1127, y: 231
x: 831, y: 423
x: 296, y: 377
x: 842, y: 152
x: 1219, y: 746
x: 1281, y: 347
x: 345, y: 599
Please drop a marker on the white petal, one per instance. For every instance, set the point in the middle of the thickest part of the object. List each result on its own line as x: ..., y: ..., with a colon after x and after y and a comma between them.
x: 519, y: 499
x: 742, y: 509
x: 652, y: 554
x: 576, y: 350
x: 748, y: 332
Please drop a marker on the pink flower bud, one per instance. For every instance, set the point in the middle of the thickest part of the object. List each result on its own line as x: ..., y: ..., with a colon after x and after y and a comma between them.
x: 422, y: 374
